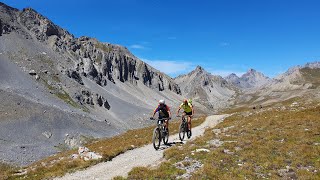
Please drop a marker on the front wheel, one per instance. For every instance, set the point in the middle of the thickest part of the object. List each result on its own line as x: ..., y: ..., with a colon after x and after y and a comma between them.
x: 182, y: 131
x: 156, y: 138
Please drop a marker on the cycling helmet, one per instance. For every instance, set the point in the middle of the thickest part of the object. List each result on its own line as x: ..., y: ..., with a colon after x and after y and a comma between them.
x: 161, y: 101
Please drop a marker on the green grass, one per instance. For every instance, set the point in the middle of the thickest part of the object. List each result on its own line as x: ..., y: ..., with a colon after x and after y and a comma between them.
x: 109, y: 148
x: 262, y: 143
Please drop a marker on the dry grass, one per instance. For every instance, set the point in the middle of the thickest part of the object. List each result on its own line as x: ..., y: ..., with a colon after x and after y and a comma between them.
x: 62, y: 163
x: 261, y: 143
x: 6, y: 170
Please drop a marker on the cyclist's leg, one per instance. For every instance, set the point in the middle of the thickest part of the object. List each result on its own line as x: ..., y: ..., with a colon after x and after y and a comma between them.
x: 167, y: 123
x: 189, y: 122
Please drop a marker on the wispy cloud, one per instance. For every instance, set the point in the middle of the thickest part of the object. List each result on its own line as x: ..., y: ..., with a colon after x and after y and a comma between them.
x: 170, y: 67
x: 137, y: 46
x: 172, y: 38
x: 225, y: 73
x: 224, y: 44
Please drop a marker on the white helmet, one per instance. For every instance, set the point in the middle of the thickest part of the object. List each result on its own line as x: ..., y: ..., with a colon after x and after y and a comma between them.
x: 161, y: 101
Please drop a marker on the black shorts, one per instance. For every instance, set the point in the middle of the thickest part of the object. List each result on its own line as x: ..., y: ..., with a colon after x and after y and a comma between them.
x: 188, y: 113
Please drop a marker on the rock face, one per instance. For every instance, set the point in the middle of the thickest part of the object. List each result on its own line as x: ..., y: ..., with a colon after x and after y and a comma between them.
x: 0, y: 28
x: 212, y: 91
x: 46, y: 65
x: 251, y: 79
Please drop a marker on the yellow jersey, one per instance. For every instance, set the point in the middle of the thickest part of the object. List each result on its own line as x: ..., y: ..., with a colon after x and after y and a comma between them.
x: 186, y: 107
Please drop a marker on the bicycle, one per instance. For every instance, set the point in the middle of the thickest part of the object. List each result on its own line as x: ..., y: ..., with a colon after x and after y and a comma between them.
x: 183, y: 128
x: 160, y: 133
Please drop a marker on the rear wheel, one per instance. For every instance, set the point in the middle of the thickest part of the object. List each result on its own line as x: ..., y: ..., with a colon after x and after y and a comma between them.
x: 156, y: 138
x: 166, y: 136
x: 182, y: 131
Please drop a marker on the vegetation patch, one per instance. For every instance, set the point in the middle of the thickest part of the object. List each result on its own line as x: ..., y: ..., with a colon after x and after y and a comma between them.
x: 311, y: 75
x: 275, y: 142
x: 62, y: 163
x: 103, y: 47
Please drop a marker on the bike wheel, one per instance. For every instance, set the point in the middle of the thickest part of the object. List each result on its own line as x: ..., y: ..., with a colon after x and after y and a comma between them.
x: 166, y: 136
x: 156, y: 138
x: 181, y: 131
x: 188, y: 132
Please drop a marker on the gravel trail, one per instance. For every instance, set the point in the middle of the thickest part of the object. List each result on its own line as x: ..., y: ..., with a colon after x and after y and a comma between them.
x: 144, y: 156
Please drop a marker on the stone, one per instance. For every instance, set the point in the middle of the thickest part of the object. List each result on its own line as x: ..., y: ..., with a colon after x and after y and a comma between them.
x: 202, y: 150
x: 215, y: 143
x: 32, y: 72
x: 227, y: 151
x: 47, y: 134
x: 86, y: 154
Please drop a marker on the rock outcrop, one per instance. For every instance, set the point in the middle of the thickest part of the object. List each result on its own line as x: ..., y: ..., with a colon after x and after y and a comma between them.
x: 210, y: 90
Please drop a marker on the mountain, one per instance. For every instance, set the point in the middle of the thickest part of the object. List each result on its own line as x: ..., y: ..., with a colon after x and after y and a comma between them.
x: 300, y: 81
x: 298, y: 77
x: 65, y: 89
x: 251, y: 79
x: 210, y: 90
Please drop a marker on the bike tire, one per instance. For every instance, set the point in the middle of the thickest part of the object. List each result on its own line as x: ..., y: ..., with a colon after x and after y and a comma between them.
x: 166, y: 137
x: 156, y: 138
x: 182, y: 131
x: 188, y: 132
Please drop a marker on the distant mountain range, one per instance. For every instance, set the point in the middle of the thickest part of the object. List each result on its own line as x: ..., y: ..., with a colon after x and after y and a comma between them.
x: 251, y: 79
x: 57, y: 89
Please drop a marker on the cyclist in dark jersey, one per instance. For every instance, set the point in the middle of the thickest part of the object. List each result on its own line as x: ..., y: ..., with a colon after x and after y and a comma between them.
x: 164, y: 112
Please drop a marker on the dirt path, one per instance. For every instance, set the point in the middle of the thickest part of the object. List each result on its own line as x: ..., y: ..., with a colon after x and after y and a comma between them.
x: 144, y: 156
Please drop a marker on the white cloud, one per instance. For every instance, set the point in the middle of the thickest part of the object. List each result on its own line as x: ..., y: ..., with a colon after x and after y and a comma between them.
x: 225, y: 73
x: 170, y: 67
x: 137, y: 46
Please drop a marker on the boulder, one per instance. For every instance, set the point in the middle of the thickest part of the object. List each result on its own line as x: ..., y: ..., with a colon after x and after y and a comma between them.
x: 87, y: 155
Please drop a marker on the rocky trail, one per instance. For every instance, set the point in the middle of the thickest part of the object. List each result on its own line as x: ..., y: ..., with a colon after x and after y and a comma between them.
x: 144, y: 156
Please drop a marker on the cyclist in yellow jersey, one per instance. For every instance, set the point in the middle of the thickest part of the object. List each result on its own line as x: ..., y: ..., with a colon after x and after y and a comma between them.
x: 188, y: 110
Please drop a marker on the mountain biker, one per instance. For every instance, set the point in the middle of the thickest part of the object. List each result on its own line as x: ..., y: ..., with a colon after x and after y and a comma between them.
x: 164, y: 112
x: 188, y: 111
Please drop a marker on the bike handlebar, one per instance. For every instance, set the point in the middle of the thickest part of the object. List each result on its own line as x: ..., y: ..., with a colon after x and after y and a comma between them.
x: 159, y: 119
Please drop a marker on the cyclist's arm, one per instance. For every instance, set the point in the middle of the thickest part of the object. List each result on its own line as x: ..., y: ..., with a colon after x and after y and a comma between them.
x: 192, y: 110
x: 154, y: 112
x: 178, y: 110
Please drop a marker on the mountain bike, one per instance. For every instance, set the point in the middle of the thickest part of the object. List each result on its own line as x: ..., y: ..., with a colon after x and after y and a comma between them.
x: 160, y: 133
x: 183, y: 128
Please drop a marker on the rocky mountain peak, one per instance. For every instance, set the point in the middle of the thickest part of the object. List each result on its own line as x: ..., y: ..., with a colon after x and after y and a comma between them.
x: 232, y: 75
x: 251, y: 79
x: 198, y: 70
x: 313, y: 65
x: 254, y: 74
x: 251, y: 71
x: 4, y: 6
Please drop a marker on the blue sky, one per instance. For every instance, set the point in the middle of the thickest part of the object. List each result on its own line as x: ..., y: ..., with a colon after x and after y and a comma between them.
x: 175, y: 36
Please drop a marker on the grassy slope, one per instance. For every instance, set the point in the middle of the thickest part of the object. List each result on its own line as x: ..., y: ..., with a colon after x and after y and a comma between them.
x: 263, y: 143
x: 311, y: 76
x: 62, y: 163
